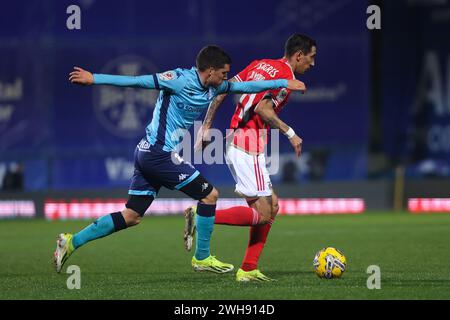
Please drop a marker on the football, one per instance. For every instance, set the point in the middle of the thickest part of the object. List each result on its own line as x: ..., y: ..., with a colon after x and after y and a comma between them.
x: 329, y: 263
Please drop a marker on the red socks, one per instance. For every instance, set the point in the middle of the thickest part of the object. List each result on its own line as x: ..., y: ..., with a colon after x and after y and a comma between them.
x: 246, y: 216
x: 237, y: 216
x: 258, y: 236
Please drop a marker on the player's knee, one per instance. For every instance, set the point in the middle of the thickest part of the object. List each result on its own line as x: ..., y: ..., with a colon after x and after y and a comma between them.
x: 212, y: 197
x: 264, y: 207
x: 265, y: 212
x: 268, y: 215
x: 264, y: 218
x: 275, y: 209
x: 131, y: 217
x: 137, y: 205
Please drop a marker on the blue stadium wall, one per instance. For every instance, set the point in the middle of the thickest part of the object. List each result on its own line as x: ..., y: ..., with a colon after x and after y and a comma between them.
x: 70, y: 137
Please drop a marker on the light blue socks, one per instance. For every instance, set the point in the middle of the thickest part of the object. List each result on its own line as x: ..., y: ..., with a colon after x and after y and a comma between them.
x: 205, y: 223
x: 100, y: 228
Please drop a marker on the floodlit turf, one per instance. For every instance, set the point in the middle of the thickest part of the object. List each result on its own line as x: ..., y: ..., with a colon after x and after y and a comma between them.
x: 149, y: 262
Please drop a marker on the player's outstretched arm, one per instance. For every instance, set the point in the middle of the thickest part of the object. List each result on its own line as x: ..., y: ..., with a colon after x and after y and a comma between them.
x: 265, y: 110
x: 259, y: 86
x: 84, y: 77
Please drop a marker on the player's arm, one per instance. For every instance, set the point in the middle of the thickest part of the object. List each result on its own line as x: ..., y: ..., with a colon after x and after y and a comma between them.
x: 84, y: 77
x: 265, y: 110
x: 259, y: 86
x: 214, y: 106
x: 202, y: 134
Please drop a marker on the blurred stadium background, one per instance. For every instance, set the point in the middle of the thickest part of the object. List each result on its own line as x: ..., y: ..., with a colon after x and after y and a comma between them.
x: 375, y: 120
x: 375, y: 123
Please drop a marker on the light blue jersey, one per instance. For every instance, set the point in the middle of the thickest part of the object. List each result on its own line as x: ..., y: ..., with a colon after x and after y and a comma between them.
x: 182, y: 100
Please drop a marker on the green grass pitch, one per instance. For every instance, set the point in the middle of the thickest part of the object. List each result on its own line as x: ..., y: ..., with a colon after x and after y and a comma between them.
x: 149, y: 261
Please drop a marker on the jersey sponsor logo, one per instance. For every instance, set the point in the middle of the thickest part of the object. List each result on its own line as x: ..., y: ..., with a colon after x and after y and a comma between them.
x: 125, y: 111
x: 187, y: 108
x: 167, y: 76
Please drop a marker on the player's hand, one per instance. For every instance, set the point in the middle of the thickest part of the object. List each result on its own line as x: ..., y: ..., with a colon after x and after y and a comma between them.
x: 80, y: 76
x: 296, y: 143
x: 296, y: 85
x: 202, y: 139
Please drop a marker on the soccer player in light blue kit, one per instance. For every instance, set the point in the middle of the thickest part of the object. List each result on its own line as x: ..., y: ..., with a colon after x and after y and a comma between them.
x: 184, y: 95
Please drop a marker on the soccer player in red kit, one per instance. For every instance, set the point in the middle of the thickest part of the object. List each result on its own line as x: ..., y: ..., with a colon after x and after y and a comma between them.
x: 254, y: 115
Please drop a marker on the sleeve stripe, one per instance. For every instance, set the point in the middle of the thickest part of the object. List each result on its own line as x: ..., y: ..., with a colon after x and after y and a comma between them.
x: 238, y: 78
x: 155, y: 78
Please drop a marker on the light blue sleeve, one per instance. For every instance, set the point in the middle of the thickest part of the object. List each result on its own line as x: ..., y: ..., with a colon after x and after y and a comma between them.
x: 147, y: 82
x: 251, y: 86
x: 172, y: 81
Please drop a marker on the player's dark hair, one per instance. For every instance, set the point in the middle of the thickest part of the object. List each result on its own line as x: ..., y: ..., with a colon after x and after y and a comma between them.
x: 298, y: 42
x: 212, y: 56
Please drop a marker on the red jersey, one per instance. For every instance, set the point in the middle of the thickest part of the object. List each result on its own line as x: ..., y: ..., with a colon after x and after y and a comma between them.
x: 250, y: 132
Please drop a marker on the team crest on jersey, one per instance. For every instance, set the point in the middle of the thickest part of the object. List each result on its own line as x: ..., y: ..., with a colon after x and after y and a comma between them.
x: 125, y: 111
x: 167, y: 76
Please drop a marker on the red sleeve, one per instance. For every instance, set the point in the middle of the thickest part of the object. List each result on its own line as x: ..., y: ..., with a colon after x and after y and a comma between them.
x: 242, y: 76
x: 280, y: 96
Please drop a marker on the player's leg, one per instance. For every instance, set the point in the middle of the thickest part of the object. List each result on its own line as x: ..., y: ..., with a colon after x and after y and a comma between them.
x: 240, y: 216
x: 174, y: 173
x: 202, y: 223
x: 267, y: 206
x: 200, y: 218
x: 252, y: 182
x: 141, y: 195
x: 102, y: 227
x: 130, y: 216
x: 257, y: 238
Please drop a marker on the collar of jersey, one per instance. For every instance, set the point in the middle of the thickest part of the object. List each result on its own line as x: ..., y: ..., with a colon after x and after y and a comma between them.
x: 287, y: 63
x: 198, y: 78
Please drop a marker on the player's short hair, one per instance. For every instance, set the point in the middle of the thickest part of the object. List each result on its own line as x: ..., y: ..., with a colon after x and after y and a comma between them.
x: 298, y: 42
x: 212, y: 56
